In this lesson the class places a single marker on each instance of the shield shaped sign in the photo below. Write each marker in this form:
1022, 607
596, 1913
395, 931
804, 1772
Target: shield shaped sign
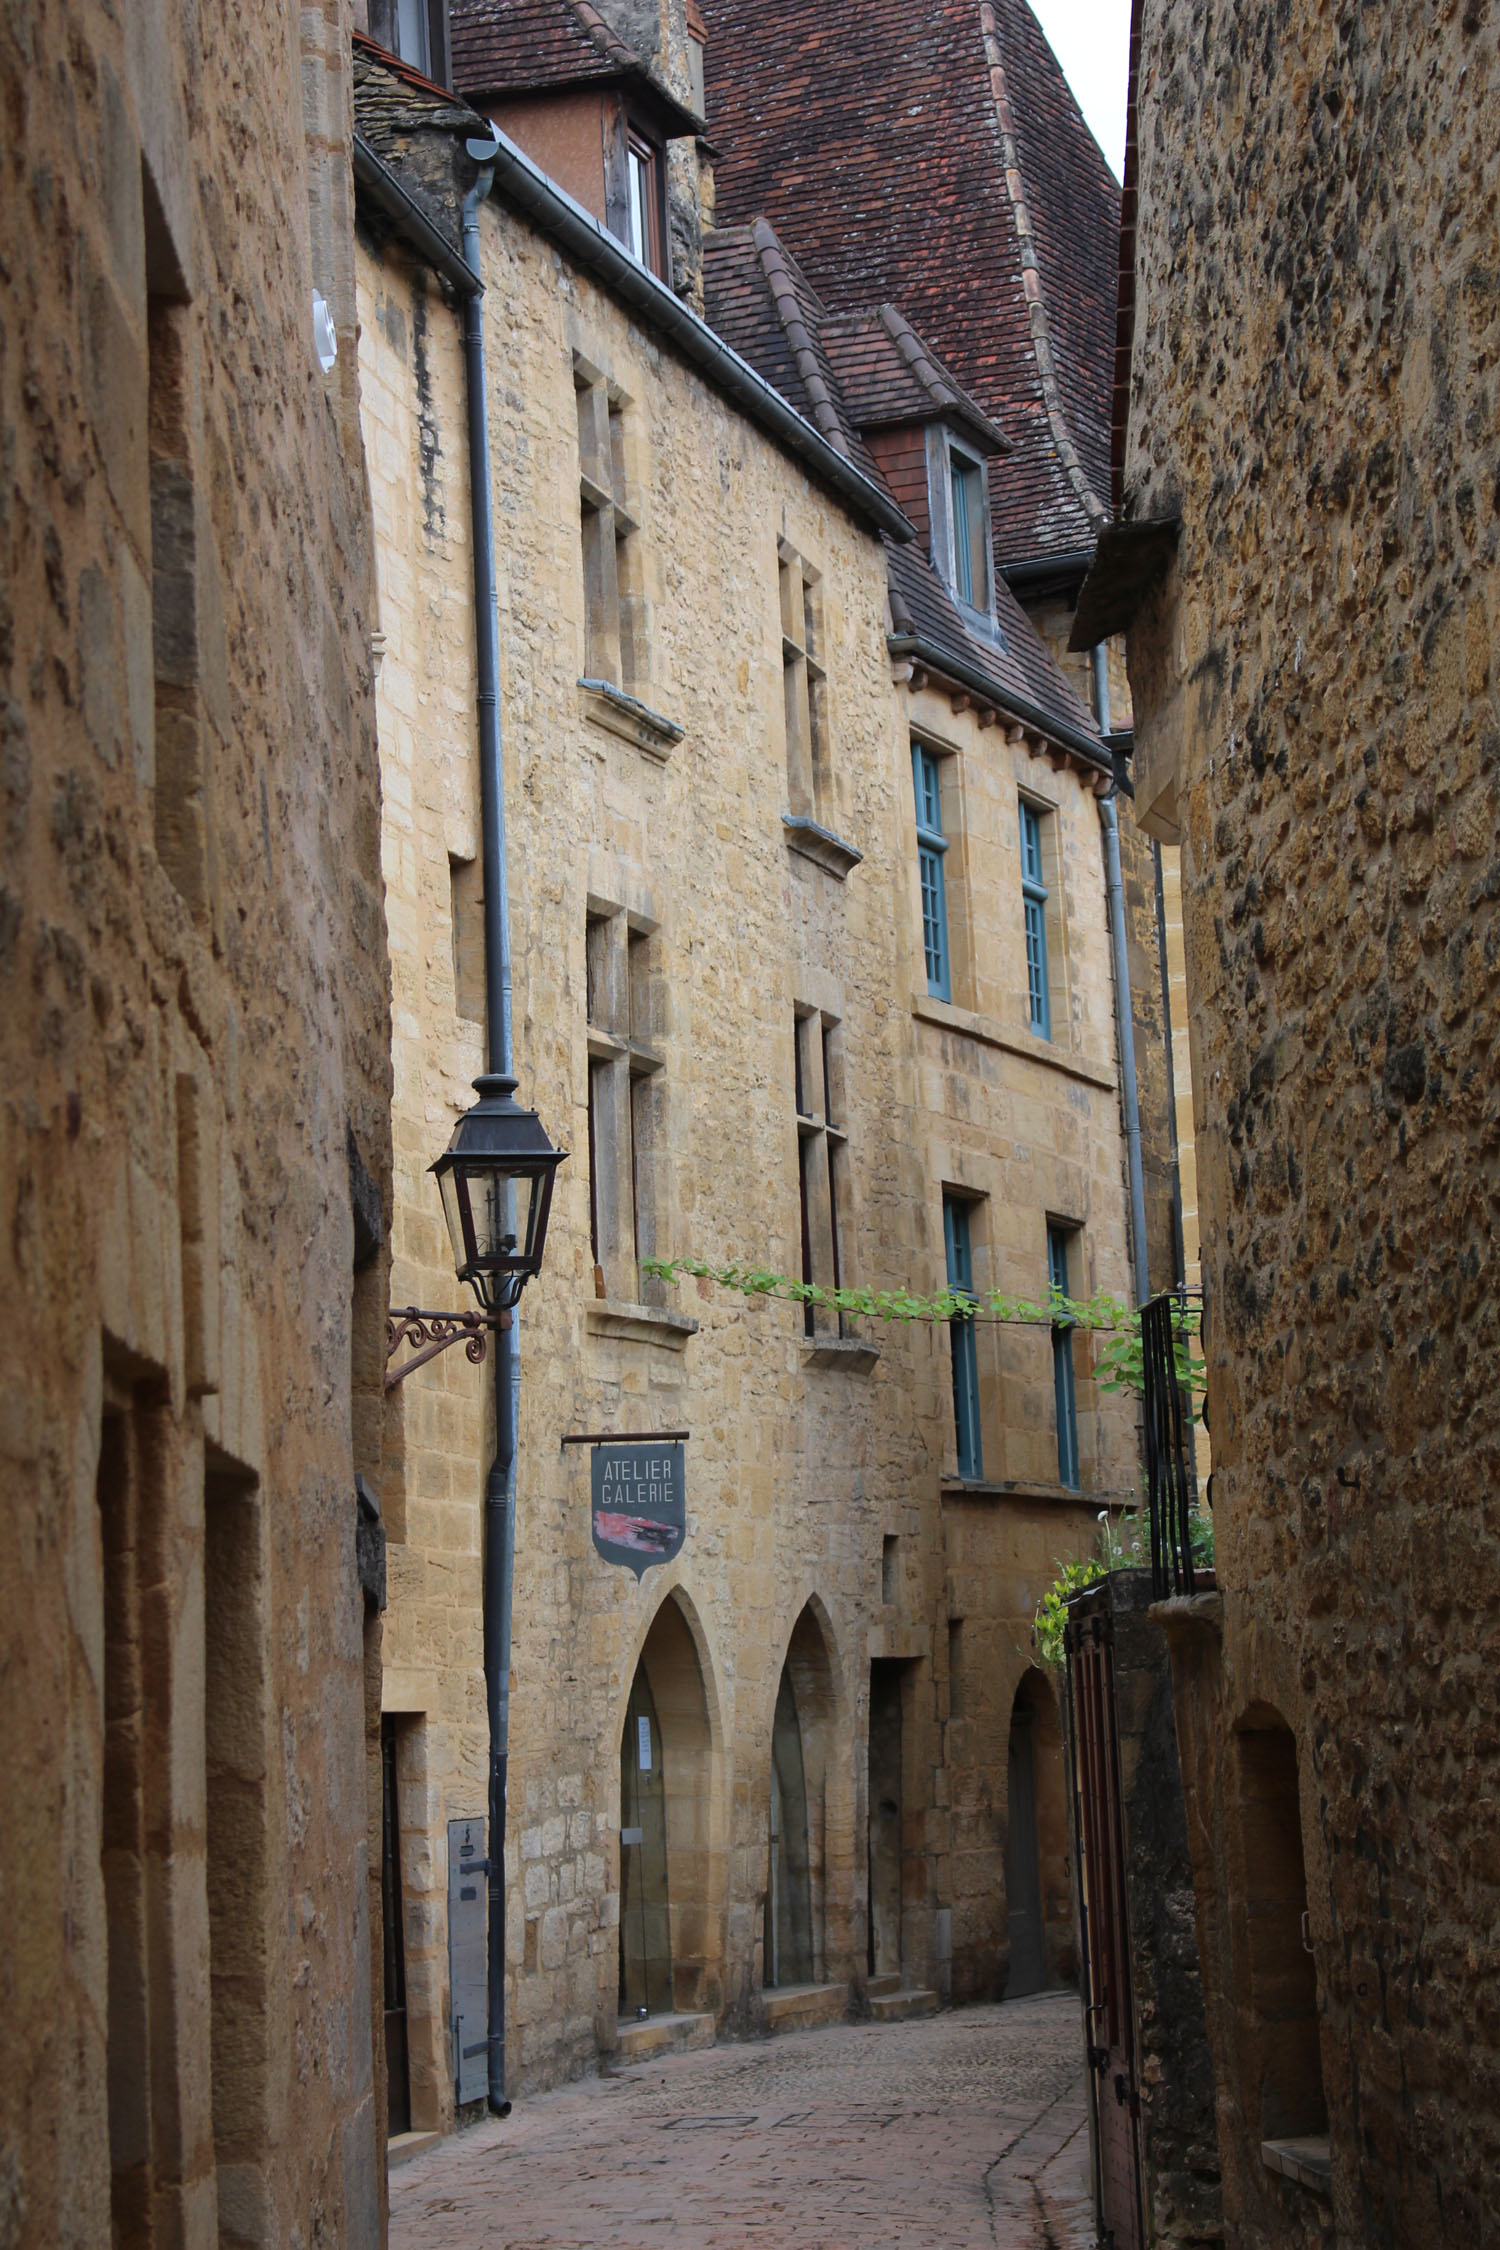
639, 1504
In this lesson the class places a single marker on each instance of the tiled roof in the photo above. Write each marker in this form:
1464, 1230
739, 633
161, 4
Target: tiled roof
888, 374
533, 46
523, 44
929, 152
760, 301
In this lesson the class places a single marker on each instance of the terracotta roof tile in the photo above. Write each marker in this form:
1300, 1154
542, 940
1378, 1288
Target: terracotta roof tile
761, 302
536, 46
888, 374
931, 155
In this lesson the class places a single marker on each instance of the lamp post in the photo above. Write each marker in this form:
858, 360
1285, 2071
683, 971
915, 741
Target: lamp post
496, 1177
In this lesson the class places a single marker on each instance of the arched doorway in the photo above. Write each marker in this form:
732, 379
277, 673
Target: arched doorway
788, 1933
1036, 1843
670, 1948
810, 1874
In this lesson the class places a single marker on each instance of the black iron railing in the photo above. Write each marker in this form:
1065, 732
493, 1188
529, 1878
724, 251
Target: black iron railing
1168, 1330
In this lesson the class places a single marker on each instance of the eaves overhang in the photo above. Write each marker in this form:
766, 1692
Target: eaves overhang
944, 664
375, 179
555, 214
1130, 561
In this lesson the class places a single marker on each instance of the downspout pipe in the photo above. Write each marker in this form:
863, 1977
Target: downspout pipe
500, 1484
1130, 1100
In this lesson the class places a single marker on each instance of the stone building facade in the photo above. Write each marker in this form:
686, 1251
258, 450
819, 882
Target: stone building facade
194, 1137
1310, 481
724, 1011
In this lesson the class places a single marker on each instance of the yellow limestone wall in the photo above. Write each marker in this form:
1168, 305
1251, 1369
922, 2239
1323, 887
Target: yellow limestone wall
798, 1471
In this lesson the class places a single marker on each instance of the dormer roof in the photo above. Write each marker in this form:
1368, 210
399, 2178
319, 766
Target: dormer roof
548, 46
890, 375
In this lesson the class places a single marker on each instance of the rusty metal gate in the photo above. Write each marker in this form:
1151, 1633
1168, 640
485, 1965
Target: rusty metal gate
1105, 1925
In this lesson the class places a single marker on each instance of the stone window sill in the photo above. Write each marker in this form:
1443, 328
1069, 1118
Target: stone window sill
852, 1353
639, 1324
625, 715
1048, 1053
1305, 2160
979, 1488
820, 845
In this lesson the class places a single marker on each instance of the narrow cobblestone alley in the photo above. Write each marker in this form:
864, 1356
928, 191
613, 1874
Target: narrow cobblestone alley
964, 2131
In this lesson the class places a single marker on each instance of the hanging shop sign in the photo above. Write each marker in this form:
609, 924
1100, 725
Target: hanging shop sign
639, 1502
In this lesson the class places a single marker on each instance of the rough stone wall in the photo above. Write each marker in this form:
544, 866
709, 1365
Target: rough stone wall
1178, 2144
802, 1462
1318, 318
193, 1039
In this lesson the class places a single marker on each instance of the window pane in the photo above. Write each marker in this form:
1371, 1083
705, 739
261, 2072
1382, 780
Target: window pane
411, 33
958, 1245
640, 188
1036, 967
962, 575
934, 921
1031, 845
1062, 1362
931, 845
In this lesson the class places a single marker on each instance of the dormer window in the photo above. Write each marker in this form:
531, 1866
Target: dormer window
961, 524
970, 524
643, 177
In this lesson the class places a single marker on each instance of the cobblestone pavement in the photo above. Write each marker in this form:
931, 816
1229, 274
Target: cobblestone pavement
963, 2131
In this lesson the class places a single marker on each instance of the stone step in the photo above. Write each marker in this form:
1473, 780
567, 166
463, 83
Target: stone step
895, 2007
401, 2147
642, 2037
877, 1986
798, 2007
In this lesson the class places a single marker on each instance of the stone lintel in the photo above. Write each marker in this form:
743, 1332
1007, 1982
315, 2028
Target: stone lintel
633, 721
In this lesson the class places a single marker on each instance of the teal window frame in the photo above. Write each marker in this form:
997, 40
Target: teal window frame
1062, 1362
932, 846
1034, 912
959, 1250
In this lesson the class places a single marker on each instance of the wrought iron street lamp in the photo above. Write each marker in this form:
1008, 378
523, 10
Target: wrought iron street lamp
496, 1177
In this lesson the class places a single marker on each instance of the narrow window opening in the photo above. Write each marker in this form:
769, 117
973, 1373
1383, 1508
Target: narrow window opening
1034, 909
890, 1568
1064, 1394
236, 1707
970, 531
122, 1845
932, 846
466, 899
958, 1244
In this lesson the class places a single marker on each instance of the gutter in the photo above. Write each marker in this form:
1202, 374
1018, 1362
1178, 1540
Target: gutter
1028, 714
500, 1484
412, 222
579, 233
1129, 1093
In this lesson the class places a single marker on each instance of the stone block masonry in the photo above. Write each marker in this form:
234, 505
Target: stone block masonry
681, 969
194, 1138
1317, 323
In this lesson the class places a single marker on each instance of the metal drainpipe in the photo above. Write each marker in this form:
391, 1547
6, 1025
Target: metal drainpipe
1115, 888
500, 1485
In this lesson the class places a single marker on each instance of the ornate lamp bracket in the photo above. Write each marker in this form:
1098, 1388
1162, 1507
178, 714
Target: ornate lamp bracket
407, 1324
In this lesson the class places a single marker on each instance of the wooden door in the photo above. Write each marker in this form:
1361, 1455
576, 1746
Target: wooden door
645, 1933
1023, 1883
1106, 1932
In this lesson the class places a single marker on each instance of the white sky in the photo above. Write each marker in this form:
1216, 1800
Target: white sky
1091, 40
